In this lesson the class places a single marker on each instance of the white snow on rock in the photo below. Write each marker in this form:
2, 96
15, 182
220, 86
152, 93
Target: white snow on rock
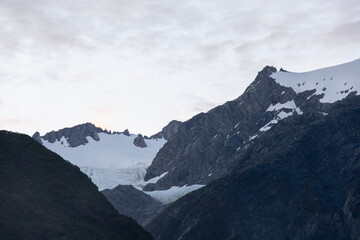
112, 160
334, 82
172, 194
156, 179
281, 114
253, 137
268, 125
289, 105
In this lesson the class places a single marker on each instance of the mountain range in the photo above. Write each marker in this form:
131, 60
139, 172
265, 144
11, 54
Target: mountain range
278, 162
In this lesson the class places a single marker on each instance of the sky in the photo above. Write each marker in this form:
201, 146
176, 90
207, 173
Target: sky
139, 64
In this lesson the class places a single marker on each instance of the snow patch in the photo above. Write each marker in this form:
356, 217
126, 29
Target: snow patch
290, 105
172, 194
268, 125
282, 114
253, 137
156, 179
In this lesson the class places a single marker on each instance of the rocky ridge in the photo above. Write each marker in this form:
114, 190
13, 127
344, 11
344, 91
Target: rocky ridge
299, 180
202, 148
75, 136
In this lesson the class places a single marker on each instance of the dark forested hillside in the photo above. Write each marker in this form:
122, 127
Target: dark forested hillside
43, 196
300, 180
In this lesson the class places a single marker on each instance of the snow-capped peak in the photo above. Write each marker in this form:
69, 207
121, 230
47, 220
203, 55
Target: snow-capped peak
335, 82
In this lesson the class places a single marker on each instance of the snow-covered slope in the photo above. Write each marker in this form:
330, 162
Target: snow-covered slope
112, 160
334, 82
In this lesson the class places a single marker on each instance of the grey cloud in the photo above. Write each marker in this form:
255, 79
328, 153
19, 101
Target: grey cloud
190, 44
199, 104
347, 33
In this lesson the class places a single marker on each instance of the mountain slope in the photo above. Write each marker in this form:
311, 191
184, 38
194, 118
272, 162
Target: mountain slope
134, 203
300, 180
115, 159
204, 146
44, 197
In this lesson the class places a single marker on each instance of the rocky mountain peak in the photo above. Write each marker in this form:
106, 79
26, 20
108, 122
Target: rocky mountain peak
267, 71
168, 131
139, 141
203, 147
195, 154
126, 132
37, 137
76, 135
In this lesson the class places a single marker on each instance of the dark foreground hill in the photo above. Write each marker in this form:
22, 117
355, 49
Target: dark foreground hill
300, 180
43, 196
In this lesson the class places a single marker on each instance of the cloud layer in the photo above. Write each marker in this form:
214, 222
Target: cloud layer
140, 64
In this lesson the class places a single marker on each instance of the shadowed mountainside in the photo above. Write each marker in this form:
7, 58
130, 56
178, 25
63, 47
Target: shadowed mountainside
300, 180
43, 196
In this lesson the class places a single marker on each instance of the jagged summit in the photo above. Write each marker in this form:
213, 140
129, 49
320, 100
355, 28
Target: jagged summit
74, 136
267, 70
139, 141
168, 131
77, 135
37, 137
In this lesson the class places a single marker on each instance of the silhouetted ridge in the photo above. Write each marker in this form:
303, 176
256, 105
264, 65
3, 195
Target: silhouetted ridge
43, 196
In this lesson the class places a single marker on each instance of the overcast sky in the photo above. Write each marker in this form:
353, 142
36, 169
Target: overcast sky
139, 64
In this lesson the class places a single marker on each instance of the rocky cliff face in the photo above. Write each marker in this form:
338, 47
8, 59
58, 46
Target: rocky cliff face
202, 148
76, 135
131, 202
299, 180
